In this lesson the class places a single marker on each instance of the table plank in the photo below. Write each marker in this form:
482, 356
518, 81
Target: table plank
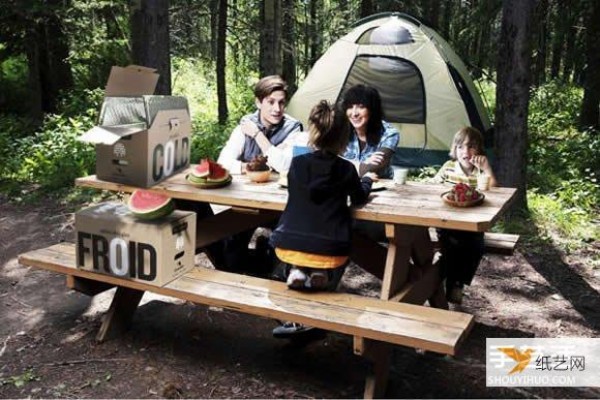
415, 203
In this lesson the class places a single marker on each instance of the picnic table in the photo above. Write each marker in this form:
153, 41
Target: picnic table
410, 277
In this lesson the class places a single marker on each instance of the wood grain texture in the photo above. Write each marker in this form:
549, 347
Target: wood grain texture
415, 203
402, 324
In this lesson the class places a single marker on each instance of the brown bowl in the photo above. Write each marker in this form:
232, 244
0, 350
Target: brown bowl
468, 203
259, 176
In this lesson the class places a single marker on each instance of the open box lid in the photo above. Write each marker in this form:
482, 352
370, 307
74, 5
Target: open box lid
133, 80
130, 81
111, 134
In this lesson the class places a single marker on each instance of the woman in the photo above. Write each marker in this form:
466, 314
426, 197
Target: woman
372, 140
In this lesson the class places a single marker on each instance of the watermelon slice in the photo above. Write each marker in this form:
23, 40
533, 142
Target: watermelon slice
217, 173
202, 170
149, 205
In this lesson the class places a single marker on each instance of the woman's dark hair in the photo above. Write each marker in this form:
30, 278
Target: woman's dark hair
328, 128
369, 97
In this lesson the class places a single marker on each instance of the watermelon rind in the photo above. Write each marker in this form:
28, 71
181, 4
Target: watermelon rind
224, 176
160, 213
202, 170
205, 184
194, 179
160, 206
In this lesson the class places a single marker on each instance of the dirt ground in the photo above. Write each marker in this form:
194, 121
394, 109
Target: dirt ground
181, 350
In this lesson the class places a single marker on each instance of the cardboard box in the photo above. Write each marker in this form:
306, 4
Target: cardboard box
112, 241
140, 139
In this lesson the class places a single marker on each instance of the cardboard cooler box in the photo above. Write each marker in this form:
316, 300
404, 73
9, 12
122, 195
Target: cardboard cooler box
140, 139
112, 241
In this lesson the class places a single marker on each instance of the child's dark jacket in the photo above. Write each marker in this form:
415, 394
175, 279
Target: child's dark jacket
317, 218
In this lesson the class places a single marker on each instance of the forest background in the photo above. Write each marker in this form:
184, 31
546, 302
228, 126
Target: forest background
536, 63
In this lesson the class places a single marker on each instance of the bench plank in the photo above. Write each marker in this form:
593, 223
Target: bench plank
500, 243
403, 324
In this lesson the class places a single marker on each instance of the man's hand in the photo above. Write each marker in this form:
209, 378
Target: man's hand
249, 128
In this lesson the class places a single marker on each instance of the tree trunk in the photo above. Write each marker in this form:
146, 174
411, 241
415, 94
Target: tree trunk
434, 14
591, 95
221, 64
512, 98
447, 15
541, 18
55, 70
315, 34
570, 52
214, 18
269, 39
366, 8
35, 86
150, 39
558, 39
289, 45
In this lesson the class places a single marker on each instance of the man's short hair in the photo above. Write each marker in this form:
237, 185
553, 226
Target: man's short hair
268, 85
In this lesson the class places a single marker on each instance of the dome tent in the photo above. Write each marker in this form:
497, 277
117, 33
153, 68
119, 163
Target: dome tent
426, 90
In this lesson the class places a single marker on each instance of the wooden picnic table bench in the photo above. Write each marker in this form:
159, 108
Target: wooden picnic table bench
409, 276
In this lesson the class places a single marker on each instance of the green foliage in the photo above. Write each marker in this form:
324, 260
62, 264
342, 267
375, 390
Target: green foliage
563, 161
20, 380
104, 44
487, 90
52, 157
195, 79
13, 83
571, 227
563, 166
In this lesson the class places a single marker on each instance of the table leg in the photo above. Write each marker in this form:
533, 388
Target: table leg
118, 317
380, 355
87, 286
406, 243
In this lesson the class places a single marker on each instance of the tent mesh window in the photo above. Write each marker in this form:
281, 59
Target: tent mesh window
399, 83
386, 34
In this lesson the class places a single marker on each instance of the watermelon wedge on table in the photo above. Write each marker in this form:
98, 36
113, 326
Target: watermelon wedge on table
209, 174
149, 205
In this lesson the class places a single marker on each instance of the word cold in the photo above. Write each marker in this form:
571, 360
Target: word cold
169, 158
117, 256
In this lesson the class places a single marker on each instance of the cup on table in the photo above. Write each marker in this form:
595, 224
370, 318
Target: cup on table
483, 182
400, 175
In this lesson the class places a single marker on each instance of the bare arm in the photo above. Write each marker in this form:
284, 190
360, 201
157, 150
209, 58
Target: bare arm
377, 162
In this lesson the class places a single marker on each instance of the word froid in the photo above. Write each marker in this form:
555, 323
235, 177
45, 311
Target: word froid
117, 256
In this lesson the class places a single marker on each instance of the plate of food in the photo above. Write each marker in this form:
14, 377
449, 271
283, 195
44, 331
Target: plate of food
257, 170
209, 175
463, 195
282, 181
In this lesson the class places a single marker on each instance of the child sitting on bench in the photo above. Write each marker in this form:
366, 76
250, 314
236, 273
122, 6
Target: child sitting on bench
461, 250
313, 236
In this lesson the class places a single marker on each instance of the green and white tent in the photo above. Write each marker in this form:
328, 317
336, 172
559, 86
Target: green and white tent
426, 90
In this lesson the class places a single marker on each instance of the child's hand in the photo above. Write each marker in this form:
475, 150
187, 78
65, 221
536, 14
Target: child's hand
480, 162
372, 175
375, 158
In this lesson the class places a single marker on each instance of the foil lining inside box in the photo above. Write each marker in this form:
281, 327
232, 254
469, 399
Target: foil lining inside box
139, 109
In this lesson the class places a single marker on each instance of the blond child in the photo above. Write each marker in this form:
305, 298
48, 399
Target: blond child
462, 251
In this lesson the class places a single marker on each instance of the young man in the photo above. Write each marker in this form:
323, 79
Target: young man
268, 131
